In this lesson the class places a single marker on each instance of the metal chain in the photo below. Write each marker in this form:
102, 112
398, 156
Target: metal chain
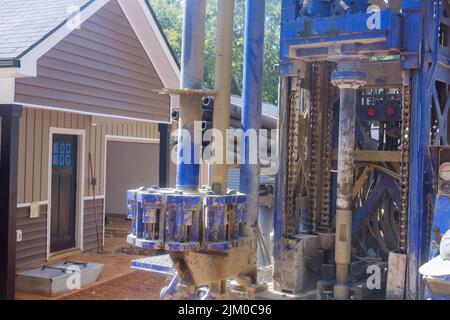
321, 126
319, 135
315, 142
404, 174
326, 198
293, 158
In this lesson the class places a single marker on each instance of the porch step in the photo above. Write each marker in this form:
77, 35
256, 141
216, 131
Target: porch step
117, 227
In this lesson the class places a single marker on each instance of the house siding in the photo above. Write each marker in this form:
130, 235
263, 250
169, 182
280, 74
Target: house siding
90, 230
32, 250
33, 247
100, 68
34, 141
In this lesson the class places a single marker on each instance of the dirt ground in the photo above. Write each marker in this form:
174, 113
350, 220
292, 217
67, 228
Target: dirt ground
138, 285
117, 280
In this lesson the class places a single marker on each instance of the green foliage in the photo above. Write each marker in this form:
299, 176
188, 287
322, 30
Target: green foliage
170, 15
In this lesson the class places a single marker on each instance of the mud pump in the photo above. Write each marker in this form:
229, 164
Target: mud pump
361, 195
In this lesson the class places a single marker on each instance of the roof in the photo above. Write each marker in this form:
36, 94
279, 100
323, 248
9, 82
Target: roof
29, 29
24, 23
268, 109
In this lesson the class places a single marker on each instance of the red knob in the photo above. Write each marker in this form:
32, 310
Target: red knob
371, 112
390, 111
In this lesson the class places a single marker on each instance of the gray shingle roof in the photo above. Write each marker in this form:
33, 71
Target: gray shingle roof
25, 22
268, 109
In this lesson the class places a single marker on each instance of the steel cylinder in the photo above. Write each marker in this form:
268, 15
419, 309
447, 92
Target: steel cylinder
347, 116
348, 77
192, 69
222, 104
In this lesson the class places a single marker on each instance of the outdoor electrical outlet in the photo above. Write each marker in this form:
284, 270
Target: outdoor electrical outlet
18, 235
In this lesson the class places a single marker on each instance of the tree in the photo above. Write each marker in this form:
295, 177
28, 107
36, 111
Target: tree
170, 16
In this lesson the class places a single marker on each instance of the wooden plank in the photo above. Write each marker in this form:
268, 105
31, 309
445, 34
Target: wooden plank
29, 156
53, 119
75, 120
373, 156
37, 156
22, 158
155, 131
60, 121
45, 152
360, 182
395, 286
67, 120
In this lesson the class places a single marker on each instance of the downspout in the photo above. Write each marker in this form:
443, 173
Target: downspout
252, 105
192, 68
222, 104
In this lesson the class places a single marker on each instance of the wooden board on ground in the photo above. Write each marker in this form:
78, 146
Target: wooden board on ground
396, 276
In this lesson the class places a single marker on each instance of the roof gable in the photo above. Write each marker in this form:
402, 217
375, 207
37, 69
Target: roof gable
24, 23
100, 69
29, 29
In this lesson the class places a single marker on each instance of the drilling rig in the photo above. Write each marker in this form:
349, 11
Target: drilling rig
362, 153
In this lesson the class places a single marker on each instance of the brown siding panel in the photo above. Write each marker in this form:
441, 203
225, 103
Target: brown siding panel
33, 247
90, 235
101, 68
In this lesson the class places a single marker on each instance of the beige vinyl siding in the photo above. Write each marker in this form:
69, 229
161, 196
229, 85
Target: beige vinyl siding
101, 68
34, 143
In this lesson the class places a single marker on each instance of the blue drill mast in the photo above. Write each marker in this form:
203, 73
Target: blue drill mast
363, 156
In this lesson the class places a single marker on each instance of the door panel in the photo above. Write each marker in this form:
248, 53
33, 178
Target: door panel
64, 192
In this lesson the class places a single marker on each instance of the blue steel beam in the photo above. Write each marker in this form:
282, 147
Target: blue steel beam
420, 162
252, 102
411, 25
305, 37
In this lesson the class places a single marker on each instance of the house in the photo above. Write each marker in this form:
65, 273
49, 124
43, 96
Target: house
85, 73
